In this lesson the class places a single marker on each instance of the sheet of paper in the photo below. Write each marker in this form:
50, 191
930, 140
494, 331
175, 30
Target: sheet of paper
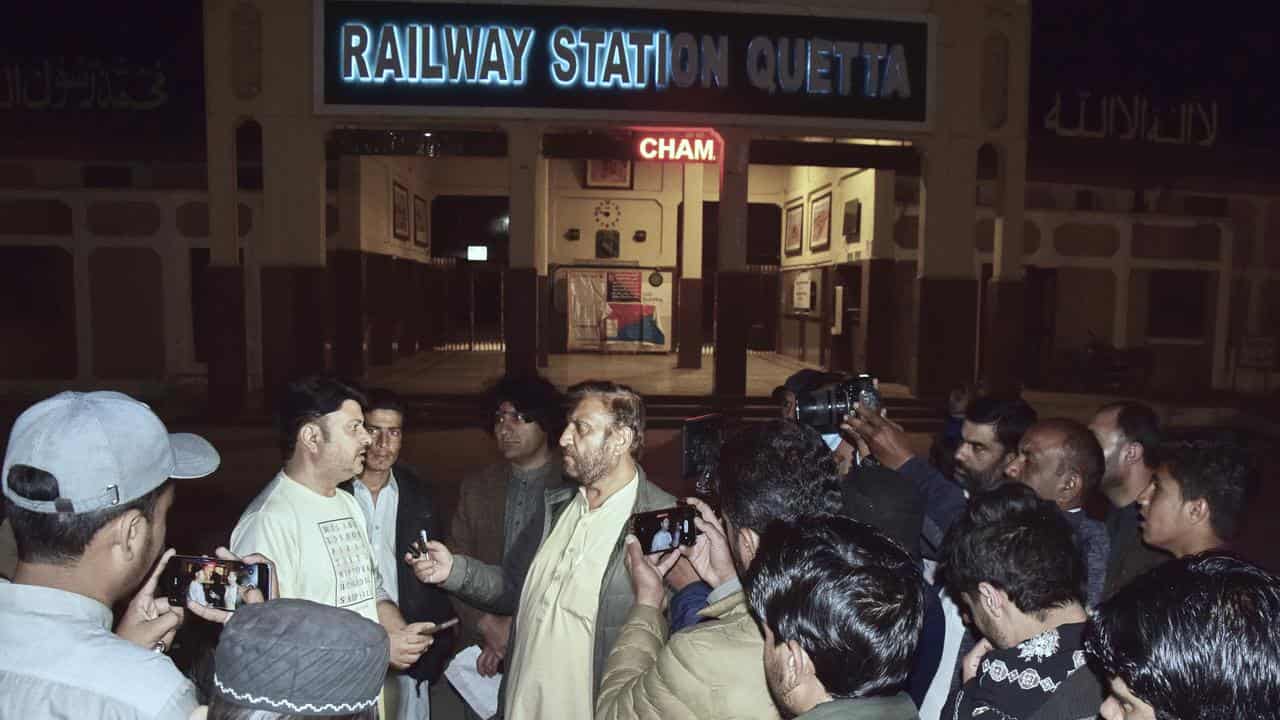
481, 693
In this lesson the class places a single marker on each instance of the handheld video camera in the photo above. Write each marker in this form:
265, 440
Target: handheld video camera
826, 406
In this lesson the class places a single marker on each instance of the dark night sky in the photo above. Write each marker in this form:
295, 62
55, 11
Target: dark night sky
1164, 50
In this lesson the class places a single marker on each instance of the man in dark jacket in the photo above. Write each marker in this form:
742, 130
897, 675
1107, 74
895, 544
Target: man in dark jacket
397, 508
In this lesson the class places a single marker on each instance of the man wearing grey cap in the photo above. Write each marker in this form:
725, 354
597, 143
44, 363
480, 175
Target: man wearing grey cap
290, 658
86, 487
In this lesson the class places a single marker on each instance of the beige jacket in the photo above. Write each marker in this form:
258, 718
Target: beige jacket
714, 669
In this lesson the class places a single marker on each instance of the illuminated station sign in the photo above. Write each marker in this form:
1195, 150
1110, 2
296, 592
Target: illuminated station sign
438, 56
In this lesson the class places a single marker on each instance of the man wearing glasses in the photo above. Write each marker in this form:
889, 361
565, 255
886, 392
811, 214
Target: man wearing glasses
398, 508
525, 416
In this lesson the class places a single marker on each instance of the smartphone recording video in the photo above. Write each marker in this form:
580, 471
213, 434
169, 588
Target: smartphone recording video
663, 530
214, 583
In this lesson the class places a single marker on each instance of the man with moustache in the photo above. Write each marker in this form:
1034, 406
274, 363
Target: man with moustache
576, 594
992, 430
397, 507
315, 533
496, 504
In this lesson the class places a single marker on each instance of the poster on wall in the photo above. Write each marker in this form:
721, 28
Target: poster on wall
802, 294
399, 211
420, 222
793, 235
619, 310
820, 223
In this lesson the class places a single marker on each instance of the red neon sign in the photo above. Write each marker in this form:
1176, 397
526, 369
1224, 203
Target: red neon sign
677, 147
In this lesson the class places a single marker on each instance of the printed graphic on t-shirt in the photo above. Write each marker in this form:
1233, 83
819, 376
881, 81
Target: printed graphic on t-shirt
352, 566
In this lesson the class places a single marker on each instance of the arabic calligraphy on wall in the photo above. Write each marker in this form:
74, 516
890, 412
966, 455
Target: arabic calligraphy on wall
1134, 117
81, 83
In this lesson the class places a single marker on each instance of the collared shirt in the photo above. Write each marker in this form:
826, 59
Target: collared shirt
59, 658
380, 522
551, 668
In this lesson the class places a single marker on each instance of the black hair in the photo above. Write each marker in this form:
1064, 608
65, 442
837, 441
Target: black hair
58, 538
307, 399
1011, 416
1015, 541
776, 470
532, 395
1219, 470
1081, 452
624, 404
1194, 638
1139, 424
850, 596
384, 399
220, 709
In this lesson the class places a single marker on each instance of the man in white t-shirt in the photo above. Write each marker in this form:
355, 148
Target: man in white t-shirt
316, 531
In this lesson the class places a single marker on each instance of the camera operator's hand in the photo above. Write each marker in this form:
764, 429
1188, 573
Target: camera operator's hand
150, 621
885, 439
709, 555
681, 575
646, 573
251, 595
432, 566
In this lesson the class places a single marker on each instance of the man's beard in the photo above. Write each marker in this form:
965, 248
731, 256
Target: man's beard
985, 481
590, 468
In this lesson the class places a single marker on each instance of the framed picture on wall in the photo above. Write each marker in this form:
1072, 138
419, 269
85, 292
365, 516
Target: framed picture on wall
852, 221
820, 222
399, 211
793, 230
615, 174
419, 221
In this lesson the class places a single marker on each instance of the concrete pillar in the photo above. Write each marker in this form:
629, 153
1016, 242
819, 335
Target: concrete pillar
873, 349
542, 253
1257, 278
690, 290
1004, 323
733, 283
945, 314
1221, 378
224, 279
292, 250
1123, 269
348, 274
520, 291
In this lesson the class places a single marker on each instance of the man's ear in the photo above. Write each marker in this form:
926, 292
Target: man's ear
1069, 488
1197, 510
311, 437
992, 598
1133, 453
748, 544
129, 533
799, 665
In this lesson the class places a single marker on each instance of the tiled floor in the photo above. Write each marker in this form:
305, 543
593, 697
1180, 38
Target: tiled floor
649, 374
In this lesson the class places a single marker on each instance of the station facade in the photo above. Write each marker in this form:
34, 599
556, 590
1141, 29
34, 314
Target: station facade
878, 149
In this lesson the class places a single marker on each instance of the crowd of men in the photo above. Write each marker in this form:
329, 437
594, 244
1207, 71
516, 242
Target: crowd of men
835, 572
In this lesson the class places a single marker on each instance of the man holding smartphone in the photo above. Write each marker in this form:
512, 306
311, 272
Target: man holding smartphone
87, 487
779, 470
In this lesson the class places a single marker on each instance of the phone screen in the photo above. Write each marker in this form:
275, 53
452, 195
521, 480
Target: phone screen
663, 530
211, 582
